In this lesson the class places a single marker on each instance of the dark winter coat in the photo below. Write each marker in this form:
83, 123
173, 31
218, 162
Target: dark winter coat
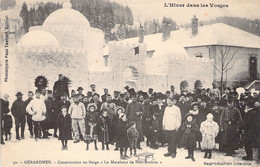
64, 125
59, 104
184, 108
8, 122
18, 109
103, 129
131, 112
91, 119
123, 104
132, 135
249, 126
51, 114
188, 139
59, 88
4, 108
122, 141
230, 122
147, 119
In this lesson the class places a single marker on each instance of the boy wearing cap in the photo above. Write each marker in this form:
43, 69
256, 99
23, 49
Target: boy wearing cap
19, 112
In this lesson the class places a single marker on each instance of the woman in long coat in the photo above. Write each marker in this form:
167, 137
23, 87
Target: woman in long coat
123, 142
64, 125
103, 129
209, 130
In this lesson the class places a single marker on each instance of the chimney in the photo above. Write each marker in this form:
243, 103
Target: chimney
141, 34
166, 31
194, 26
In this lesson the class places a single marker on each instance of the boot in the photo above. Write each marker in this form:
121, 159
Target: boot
107, 148
126, 153
131, 153
192, 156
206, 154
17, 134
210, 154
189, 155
87, 146
103, 147
95, 142
135, 152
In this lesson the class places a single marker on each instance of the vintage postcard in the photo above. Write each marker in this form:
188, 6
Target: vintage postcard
129, 83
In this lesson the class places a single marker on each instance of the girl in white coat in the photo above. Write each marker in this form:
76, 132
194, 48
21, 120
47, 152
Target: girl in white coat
209, 130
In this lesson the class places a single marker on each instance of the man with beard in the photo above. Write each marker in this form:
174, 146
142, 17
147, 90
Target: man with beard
184, 106
51, 116
95, 99
28, 116
116, 99
122, 102
159, 108
127, 97
60, 87
19, 112
230, 121
134, 112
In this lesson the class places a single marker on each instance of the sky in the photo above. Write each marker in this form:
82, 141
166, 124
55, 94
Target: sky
149, 9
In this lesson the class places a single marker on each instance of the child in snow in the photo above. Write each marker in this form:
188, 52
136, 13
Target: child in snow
122, 141
104, 128
91, 120
132, 135
119, 111
189, 129
209, 130
64, 125
155, 128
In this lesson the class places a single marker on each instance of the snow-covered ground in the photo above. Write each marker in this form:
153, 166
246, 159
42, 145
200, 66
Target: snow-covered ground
19, 153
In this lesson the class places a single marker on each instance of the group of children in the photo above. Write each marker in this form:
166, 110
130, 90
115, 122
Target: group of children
97, 129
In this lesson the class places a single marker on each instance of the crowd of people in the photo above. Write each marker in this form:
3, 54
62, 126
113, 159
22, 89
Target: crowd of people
206, 119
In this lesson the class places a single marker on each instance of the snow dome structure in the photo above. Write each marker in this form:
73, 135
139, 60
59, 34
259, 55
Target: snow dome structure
65, 43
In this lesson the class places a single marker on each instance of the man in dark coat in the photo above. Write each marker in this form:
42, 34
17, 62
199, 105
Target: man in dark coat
95, 99
230, 122
116, 98
51, 116
28, 116
19, 112
184, 106
62, 102
122, 102
147, 121
249, 130
60, 87
104, 96
4, 104
134, 112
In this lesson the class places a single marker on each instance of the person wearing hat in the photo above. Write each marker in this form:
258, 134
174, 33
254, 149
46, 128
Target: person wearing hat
19, 112
37, 109
95, 99
122, 102
189, 129
183, 105
110, 107
116, 99
93, 88
77, 112
63, 101
209, 130
159, 108
150, 92
51, 115
104, 96
104, 129
155, 129
134, 112
64, 125
128, 97
171, 123
250, 130
80, 93
132, 135
60, 87
230, 122
91, 121
28, 116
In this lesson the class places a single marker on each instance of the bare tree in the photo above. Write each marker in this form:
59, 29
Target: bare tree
225, 60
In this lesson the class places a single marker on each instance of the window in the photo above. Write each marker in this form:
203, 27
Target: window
136, 50
199, 55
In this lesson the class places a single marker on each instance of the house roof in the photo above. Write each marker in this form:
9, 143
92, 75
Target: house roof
215, 34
